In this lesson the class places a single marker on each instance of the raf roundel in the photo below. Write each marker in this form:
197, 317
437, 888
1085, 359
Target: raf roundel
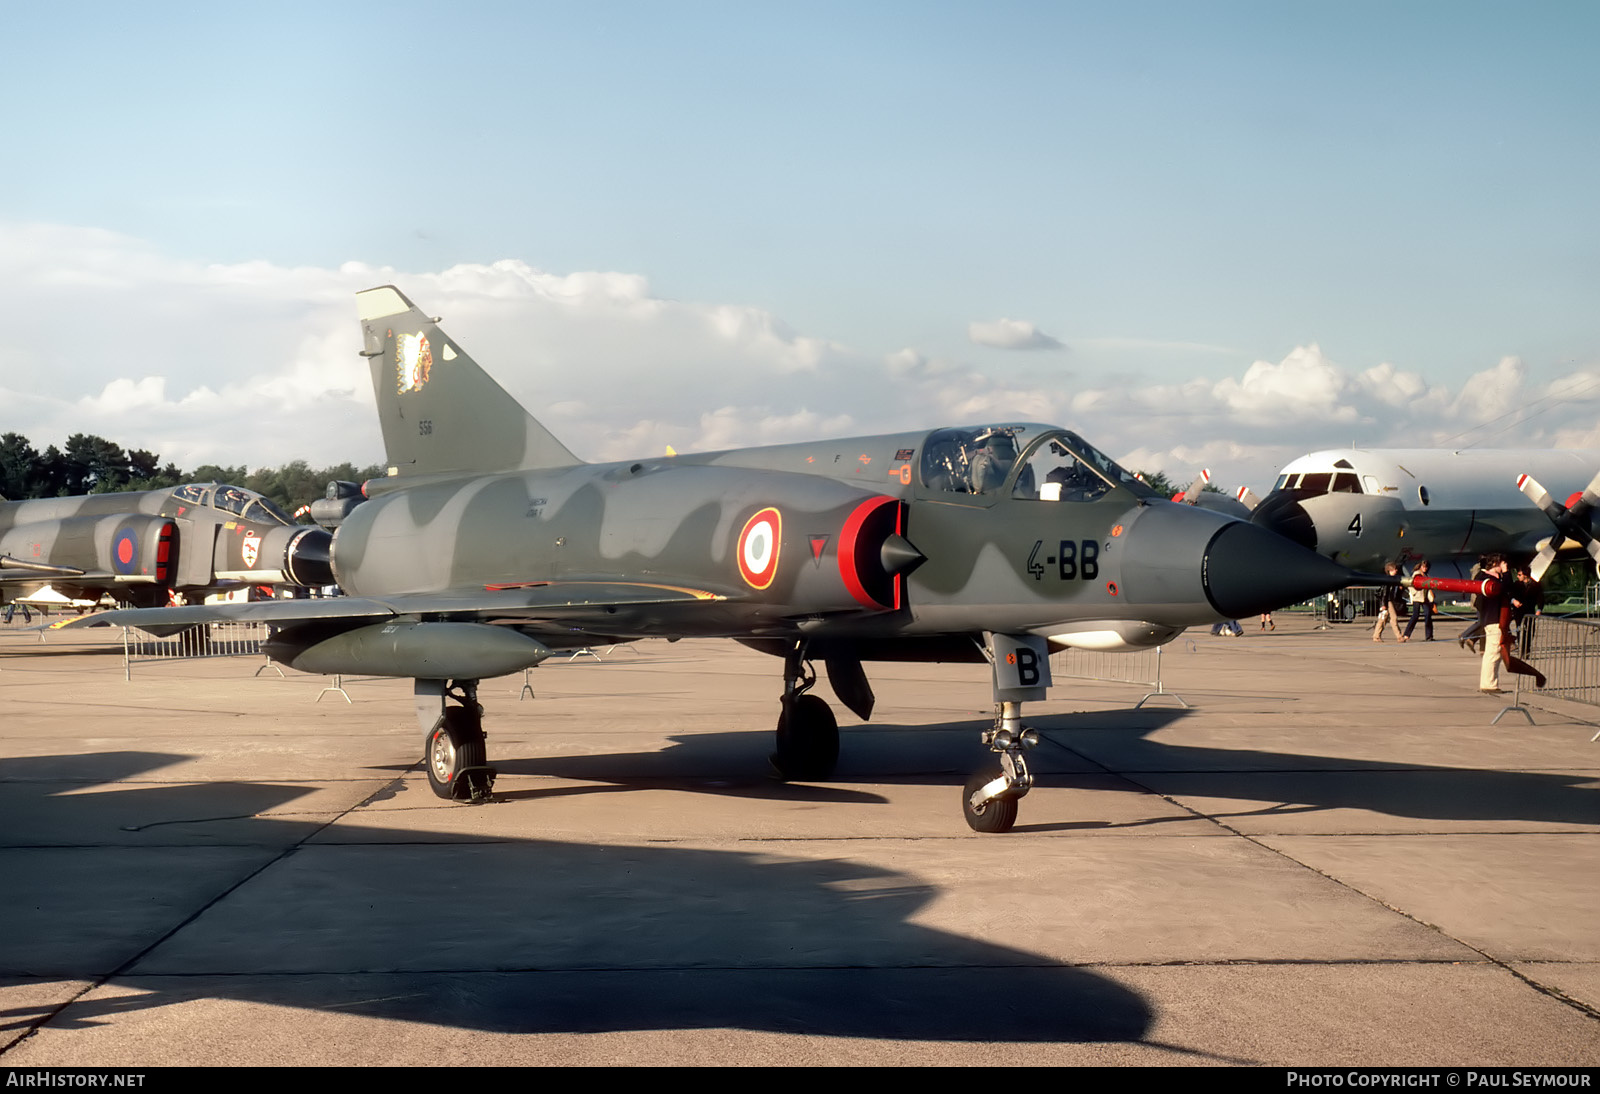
758, 548
125, 552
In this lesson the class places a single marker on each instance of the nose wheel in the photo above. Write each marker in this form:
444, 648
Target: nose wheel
989, 800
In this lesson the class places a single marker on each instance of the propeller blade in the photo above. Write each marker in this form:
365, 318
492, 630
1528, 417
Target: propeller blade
1586, 504
1247, 498
1573, 524
1540, 497
1542, 561
1192, 495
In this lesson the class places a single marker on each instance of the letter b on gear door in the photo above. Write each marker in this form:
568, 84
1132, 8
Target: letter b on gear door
1021, 667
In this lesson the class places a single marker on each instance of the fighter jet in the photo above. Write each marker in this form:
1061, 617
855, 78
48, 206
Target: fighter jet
489, 546
1365, 507
143, 547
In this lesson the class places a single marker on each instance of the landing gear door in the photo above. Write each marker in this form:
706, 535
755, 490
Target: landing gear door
1021, 667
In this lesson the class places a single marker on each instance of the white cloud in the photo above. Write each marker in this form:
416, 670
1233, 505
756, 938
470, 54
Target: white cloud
910, 364
1303, 386
732, 427
1011, 334
1492, 392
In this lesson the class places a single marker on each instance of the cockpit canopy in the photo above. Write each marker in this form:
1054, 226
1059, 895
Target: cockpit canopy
1036, 463
245, 504
1341, 479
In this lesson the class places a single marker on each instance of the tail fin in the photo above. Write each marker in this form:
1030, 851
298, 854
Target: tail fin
439, 411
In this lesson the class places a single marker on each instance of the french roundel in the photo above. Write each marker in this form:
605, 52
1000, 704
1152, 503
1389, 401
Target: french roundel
758, 548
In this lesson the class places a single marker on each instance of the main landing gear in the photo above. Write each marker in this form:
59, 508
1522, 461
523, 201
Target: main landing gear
454, 750
989, 800
808, 733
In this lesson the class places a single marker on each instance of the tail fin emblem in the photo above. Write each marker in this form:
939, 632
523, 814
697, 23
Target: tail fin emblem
414, 361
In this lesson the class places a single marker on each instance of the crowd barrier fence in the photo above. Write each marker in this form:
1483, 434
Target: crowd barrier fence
1567, 651
195, 643
1142, 668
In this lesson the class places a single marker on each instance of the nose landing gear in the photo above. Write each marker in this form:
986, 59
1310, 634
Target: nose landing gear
1021, 667
989, 800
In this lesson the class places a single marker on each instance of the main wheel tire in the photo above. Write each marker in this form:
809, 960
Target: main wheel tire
456, 746
808, 740
997, 816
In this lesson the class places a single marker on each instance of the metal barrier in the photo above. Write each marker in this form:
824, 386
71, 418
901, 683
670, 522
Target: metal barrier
1142, 668
1348, 605
193, 643
1364, 602
1567, 651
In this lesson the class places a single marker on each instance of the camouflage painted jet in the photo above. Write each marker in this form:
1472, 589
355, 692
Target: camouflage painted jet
145, 546
490, 545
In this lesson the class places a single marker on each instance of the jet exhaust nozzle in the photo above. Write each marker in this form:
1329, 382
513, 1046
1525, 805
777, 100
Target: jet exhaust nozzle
309, 559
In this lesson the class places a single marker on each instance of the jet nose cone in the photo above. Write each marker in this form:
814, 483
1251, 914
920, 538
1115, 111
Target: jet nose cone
1282, 513
1249, 570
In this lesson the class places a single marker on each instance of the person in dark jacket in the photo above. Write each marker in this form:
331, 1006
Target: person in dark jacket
1527, 597
1392, 604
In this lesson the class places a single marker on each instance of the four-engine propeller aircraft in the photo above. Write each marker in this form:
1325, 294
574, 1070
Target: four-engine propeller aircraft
1365, 507
141, 547
490, 545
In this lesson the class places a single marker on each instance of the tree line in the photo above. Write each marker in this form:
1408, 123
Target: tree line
93, 465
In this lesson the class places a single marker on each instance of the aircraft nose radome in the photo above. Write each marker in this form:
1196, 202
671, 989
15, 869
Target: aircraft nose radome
1249, 570
1282, 513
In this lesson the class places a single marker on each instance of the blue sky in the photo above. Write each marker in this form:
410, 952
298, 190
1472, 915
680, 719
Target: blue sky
1170, 194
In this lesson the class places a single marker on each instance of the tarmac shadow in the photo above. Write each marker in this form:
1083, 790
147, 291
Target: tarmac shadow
528, 936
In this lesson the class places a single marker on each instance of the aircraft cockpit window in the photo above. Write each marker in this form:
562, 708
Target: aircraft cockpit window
230, 499
266, 511
1107, 467
1283, 482
1063, 467
1346, 482
970, 461
1316, 483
